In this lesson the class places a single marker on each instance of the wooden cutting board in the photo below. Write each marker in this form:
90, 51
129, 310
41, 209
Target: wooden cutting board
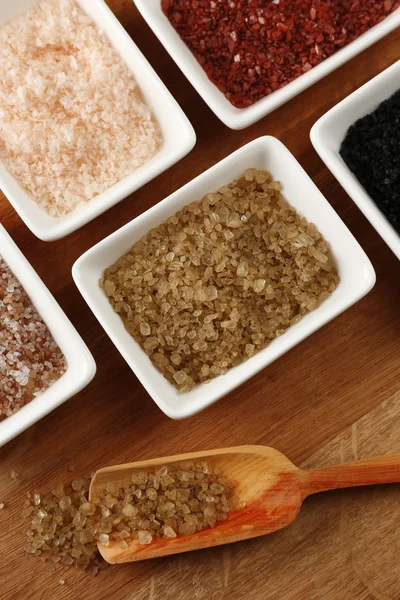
345, 545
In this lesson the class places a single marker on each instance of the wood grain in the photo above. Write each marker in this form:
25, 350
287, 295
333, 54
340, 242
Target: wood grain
270, 492
345, 544
267, 484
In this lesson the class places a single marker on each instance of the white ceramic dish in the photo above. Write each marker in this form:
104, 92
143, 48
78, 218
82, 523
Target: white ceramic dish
356, 272
178, 134
329, 132
81, 367
239, 118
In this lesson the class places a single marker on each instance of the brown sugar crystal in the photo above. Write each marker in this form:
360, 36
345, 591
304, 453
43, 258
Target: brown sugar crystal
59, 524
30, 360
175, 500
218, 281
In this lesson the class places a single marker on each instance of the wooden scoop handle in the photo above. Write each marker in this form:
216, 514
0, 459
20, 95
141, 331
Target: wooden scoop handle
372, 471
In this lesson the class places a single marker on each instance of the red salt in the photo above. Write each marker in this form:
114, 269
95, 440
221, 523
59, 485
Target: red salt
250, 48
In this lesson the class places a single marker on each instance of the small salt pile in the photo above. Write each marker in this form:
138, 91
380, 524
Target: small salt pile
59, 525
72, 119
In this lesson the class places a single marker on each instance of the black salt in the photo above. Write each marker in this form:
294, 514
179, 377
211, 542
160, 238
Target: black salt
371, 150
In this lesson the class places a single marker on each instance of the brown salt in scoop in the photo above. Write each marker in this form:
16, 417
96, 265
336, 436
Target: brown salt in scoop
169, 501
269, 494
172, 500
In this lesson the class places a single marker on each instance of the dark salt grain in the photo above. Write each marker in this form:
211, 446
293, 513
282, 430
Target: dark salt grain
250, 48
371, 150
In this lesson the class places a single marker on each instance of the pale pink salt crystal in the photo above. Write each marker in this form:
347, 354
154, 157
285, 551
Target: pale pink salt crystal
72, 122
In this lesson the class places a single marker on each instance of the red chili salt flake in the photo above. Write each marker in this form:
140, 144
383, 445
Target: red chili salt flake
177, 17
275, 34
329, 29
231, 44
299, 34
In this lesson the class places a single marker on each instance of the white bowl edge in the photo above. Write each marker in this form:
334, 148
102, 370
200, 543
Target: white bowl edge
357, 277
81, 367
179, 136
328, 133
235, 118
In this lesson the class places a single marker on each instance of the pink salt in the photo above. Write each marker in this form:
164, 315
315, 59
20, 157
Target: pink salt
72, 119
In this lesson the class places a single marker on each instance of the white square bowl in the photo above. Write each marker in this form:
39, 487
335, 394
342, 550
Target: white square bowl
178, 134
81, 367
329, 132
357, 275
237, 118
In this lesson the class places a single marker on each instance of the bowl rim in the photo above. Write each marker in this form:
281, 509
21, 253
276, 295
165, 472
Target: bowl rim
86, 274
331, 157
81, 366
19, 198
231, 116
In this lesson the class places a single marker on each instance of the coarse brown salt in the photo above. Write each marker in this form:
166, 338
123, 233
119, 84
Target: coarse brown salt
175, 500
30, 360
72, 119
58, 529
145, 537
228, 289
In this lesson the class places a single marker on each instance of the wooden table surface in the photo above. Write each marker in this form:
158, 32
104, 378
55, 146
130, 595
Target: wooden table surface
343, 381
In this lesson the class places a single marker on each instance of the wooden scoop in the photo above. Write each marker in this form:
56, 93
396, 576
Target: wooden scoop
271, 487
